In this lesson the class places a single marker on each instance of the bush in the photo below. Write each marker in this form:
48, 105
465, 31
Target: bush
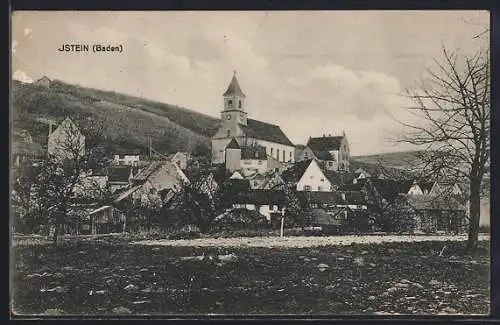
187, 232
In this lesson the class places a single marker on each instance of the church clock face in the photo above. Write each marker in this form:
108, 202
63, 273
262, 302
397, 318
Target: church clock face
228, 117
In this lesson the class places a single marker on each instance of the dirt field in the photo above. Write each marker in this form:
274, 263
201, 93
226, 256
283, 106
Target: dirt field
299, 242
109, 276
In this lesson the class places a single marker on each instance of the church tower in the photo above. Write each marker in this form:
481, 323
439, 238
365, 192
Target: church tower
234, 104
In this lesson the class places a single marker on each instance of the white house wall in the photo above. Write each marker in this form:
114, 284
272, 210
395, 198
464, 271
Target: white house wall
315, 179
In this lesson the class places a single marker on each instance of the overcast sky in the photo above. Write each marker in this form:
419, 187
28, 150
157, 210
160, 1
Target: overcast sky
311, 72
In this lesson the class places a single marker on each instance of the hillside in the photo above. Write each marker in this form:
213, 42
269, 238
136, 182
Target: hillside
110, 119
400, 160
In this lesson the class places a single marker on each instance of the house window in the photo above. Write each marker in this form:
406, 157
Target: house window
312, 177
260, 162
271, 151
307, 188
330, 163
320, 188
290, 155
322, 179
284, 155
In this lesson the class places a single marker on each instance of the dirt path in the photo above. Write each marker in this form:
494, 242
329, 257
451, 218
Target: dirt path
299, 241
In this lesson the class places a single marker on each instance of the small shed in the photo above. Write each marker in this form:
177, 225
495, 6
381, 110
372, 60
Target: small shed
106, 219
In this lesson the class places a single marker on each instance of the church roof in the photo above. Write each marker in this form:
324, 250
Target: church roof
234, 88
233, 144
265, 131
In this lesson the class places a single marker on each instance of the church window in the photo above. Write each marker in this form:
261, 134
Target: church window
290, 155
239, 104
284, 155
278, 154
230, 103
271, 151
228, 133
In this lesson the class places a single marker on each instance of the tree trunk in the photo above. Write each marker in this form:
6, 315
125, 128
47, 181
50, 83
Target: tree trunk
474, 212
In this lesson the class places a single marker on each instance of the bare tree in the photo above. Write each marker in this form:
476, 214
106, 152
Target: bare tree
454, 107
60, 173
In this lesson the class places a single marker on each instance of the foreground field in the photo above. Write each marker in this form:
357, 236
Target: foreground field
91, 277
300, 242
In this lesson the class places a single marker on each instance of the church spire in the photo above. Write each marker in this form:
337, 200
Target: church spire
234, 88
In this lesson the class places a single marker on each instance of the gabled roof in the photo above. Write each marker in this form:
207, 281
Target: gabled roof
322, 145
295, 172
265, 131
253, 152
426, 186
234, 88
233, 144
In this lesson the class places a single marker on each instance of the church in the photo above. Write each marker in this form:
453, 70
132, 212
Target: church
248, 132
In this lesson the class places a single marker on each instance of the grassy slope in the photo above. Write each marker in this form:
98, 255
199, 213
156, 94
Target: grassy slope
125, 119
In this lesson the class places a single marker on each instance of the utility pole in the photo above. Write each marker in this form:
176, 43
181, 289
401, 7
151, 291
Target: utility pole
150, 146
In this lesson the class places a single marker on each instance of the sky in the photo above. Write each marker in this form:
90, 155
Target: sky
311, 72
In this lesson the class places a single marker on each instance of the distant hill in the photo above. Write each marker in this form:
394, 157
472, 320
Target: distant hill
109, 118
400, 160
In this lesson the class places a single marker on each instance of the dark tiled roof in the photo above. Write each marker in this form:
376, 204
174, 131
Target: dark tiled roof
234, 88
426, 186
389, 189
233, 144
333, 198
253, 152
294, 173
119, 174
265, 131
322, 145
260, 197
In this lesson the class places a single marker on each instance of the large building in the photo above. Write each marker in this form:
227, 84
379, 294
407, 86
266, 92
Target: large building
332, 151
246, 131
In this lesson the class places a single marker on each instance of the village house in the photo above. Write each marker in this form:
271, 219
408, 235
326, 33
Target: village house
432, 214
66, 141
360, 173
332, 151
246, 131
250, 159
126, 160
120, 177
180, 158
93, 184
157, 180
43, 81
310, 176
445, 188
95, 220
